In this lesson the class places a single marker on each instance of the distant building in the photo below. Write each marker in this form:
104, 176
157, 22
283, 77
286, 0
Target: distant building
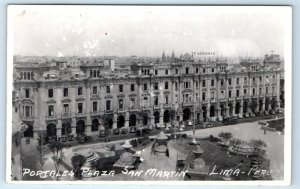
95, 95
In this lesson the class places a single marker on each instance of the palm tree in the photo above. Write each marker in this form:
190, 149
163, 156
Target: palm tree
77, 162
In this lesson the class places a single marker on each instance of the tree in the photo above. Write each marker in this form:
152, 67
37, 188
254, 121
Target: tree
237, 143
56, 148
257, 144
254, 105
225, 136
77, 163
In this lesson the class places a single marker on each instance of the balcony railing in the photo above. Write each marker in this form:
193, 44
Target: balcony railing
66, 115
51, 117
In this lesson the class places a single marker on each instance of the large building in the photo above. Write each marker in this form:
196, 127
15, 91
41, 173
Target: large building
60, 98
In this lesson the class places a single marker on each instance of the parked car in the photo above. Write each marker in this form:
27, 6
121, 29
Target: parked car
142, 131
52, 138
64, 138
207, 125
116, 131
189, 123
82, 138
132, 129
124, 131
230, 120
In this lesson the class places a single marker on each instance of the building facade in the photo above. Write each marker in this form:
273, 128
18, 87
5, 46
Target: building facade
59, 99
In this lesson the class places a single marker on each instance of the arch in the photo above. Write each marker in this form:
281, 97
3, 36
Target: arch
29, 131
260, 107
186, 114
66, 128
245, 106
273, 104
80, 126
166, 116
132, 120
108, 123
212, 111
95, 125
204, 109
51, 129
120, 121
156, 116
145, 119
237, 108
223, 110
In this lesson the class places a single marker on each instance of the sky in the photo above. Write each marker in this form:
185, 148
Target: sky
147, 30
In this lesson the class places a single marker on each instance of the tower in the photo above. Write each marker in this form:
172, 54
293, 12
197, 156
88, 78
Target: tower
163, 58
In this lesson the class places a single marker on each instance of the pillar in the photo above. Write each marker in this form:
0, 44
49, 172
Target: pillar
58, 128
88, 125
161, 116
115, 121
73, 126
127, 119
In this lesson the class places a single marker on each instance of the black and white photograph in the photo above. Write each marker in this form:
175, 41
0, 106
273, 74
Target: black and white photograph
159, 94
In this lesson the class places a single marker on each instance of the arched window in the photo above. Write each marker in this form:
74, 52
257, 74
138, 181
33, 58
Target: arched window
79, 91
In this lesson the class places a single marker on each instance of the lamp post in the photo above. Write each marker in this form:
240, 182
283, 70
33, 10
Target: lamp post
194, 128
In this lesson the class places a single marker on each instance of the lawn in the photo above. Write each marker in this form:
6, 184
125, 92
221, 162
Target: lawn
277, 124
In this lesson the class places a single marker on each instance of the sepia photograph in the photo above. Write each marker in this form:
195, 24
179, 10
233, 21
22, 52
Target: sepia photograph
155, 94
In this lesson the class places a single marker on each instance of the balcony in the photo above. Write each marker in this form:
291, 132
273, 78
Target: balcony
121, 110
51, 117
66, 115
95, 113
167, 106
81, 114
145, 107
156, 107
231, 98
133, 108
25, 118
213, 100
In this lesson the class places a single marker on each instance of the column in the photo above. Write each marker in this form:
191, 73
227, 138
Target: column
151, 117
241, 107
127, 119
88, 125
233, 108
161, 116
73, 126
58, 128
115, 121
227, 109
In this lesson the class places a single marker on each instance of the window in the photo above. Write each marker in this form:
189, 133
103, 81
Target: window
166, 85
145, 87
229, 93
79, 108
50, 93
146, 101
273, 90
253, 91
212, 95
79, 91
156, 100
237, 81
186, 85
66, 92
95, 106
132, 87
167, 72
27, 93
245, 80
197, 70
212, 82
267, 90
156, 86
260, 90
176, 71
120, 103
203, 96
253, 80
212, 70
197, 84
108, 89
120, 88
245, 91
222, 82
132, 102
237, 93
167, 99
186, 70
108, 105
229, 81
222, 94
94, 90
203, 70
203, 83
260, 79
155, 72
27, 111
50, 110
66, 109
